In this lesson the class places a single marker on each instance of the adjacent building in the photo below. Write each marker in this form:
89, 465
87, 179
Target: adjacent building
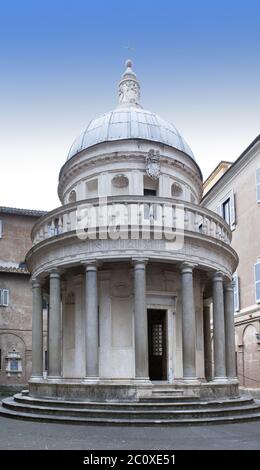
233, 191
15, 296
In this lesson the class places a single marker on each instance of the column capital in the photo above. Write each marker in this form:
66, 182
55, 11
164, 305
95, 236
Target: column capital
217, 276
36, 283
54, 273
139, 263
229, 285
187, 267
92, 265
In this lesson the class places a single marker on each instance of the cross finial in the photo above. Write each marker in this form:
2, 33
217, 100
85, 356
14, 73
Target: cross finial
128, 47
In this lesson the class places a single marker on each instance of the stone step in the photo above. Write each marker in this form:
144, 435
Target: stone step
170, 389
151, 415
168, 396
133, 422
142, 405
167, 393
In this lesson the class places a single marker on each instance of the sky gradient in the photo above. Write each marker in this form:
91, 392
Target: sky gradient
198, 63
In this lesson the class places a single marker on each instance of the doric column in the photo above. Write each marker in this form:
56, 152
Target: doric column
188, 323
207, 342
219, 328
229, 330
37, 330
91, 311
54, 362
140, 320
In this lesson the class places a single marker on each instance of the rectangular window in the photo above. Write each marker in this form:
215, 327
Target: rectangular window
14, 364
227, 209
236, 292
45, 360
150, 192
1, 228
4, 297
257, 282
258, 184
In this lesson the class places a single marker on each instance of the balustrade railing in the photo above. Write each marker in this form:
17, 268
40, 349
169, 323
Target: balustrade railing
131, 210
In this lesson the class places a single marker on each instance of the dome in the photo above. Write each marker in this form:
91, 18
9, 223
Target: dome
129, 121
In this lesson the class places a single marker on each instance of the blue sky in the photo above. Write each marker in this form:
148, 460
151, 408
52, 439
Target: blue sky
197, 62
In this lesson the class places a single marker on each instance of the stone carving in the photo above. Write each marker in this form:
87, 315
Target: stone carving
120, 181
153, 166
129, 92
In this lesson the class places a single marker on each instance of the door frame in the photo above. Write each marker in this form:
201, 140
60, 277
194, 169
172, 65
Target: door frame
165, 365
166, 301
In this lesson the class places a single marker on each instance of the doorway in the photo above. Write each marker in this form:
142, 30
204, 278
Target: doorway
157, 344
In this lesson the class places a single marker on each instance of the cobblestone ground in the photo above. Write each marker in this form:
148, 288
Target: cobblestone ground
16, 434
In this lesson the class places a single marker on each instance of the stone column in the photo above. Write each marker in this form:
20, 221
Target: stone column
91, 310
188, 323
219, 328
54, 356
37, 331
207, 342
229, 330
140, 320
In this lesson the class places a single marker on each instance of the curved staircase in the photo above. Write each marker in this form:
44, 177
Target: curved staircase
158, 410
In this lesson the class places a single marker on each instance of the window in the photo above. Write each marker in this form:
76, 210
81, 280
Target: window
236, 292
45, 360
14, 364
258, 184
149, 192
227, 209
4, 297
257, 282
1, 228
150, 186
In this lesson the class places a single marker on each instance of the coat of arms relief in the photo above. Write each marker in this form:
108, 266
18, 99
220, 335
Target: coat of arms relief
153, 166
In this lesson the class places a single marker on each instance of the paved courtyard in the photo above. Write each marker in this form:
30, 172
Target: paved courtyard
16, 434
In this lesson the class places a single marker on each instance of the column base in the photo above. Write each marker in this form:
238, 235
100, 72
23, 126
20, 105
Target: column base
233, 380
222, 380
191, 380
91, 379
142, 381
35, 378
54, 377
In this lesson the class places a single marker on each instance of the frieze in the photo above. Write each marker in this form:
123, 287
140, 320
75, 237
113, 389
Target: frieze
77, 168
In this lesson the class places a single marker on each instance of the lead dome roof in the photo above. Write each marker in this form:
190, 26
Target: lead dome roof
129, 121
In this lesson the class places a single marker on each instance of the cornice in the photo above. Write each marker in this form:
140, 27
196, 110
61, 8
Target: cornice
197, 241
247, 156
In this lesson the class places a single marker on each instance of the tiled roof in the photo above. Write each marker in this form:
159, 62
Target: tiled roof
15, 270
17, 211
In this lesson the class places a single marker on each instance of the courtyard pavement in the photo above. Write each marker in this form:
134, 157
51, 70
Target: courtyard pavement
16, 434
